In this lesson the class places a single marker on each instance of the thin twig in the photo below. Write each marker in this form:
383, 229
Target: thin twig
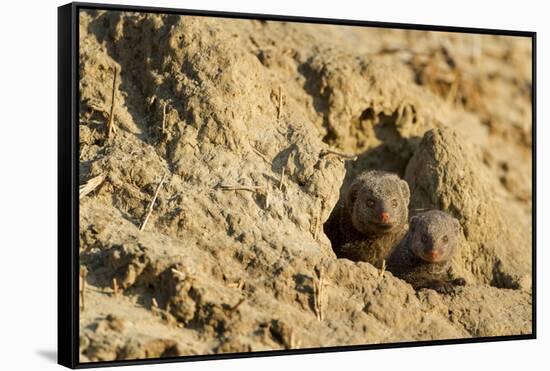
318, 291
152, 203
236, 285
83, 274
264, 157
178, 273
155, 306
91, 184
293, 342
110, 124
329, 151
184, 275
163, 127
115, 287
282, 179
382, 271
317, 223
240, 188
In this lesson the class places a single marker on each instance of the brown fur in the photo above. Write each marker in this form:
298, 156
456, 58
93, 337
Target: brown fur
364, 235
433, 232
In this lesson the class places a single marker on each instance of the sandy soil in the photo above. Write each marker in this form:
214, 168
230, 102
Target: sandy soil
205, 103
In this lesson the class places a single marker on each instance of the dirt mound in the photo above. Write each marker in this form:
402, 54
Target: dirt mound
241, 124
446, 174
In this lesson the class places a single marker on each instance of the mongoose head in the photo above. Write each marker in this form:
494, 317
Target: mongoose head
378, 202
433, 236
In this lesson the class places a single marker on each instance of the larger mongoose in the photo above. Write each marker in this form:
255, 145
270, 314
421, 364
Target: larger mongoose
423, 258
374, 217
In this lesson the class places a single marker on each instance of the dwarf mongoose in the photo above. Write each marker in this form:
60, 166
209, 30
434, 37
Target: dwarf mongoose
423, 258
374, 216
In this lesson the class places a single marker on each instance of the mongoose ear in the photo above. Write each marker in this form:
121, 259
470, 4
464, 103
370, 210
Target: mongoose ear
405, 190
351, 196
412, 223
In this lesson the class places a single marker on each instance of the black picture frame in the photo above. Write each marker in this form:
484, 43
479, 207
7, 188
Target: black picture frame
68, 200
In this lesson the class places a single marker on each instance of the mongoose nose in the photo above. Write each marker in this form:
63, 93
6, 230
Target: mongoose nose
433, 254
384, 217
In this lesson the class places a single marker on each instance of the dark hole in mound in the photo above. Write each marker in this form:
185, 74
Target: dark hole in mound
390, 156
367, 114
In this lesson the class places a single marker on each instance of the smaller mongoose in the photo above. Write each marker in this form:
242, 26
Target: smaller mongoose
374, 217
423, 258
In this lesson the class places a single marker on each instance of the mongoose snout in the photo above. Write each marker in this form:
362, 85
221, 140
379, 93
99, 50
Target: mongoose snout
384, 217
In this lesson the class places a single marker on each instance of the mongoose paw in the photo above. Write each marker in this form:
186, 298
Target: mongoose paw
459, 282
442, 287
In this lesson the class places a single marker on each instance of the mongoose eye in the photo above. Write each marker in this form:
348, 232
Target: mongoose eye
370, 203
394, 202
445, 239
424, 238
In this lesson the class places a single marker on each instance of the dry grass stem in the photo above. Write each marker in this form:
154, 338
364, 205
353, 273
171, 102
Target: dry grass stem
318, 292
264, 157
317, 223
91, 184
236, 285
293, 343
110, 123
240, 188
183, 275
382, 271
115, 287
316, 230
151, 205
83, 275
346, 156
163, 127
155, 306
282, 179
179, 274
